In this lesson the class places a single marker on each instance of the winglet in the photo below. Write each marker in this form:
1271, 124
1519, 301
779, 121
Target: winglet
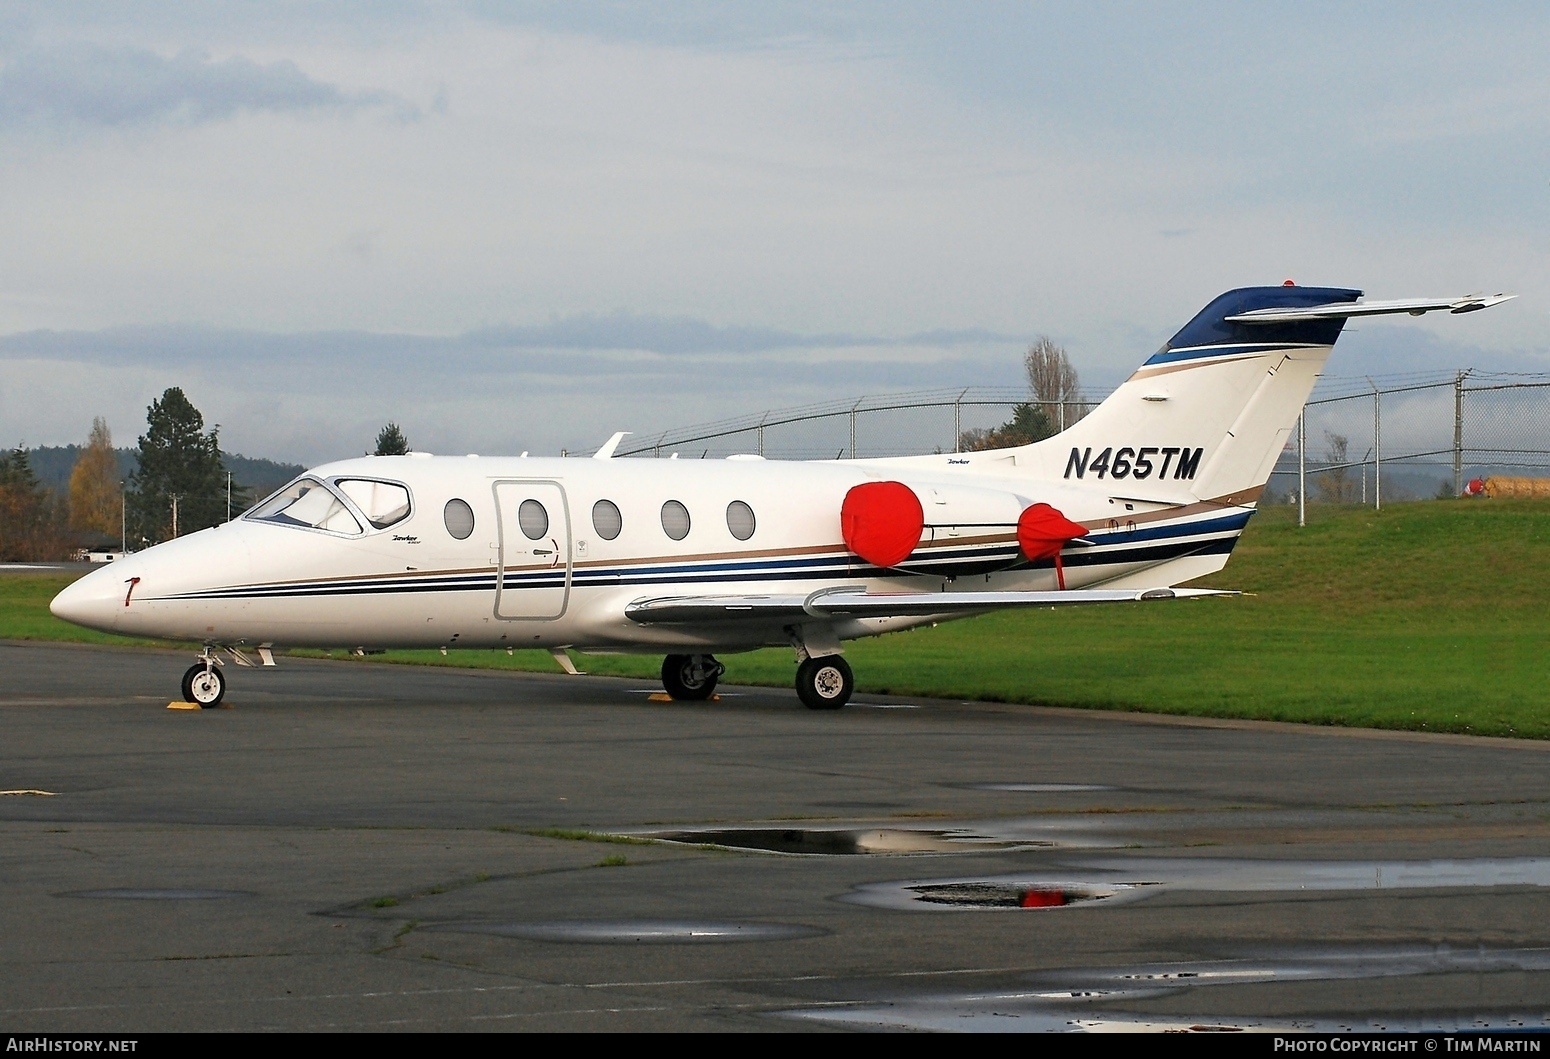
607, 451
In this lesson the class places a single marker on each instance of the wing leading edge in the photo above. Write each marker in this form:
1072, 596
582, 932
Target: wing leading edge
856, 602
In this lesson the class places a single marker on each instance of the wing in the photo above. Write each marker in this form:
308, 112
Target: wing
838, 603
1413, 306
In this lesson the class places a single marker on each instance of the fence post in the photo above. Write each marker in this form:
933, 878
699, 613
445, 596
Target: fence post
1458, 433
1062, 415
958, 421
1377, 447
853, 429
761, 432
1302, 468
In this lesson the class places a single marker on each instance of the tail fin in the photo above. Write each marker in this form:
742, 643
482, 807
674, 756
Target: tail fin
1207, 415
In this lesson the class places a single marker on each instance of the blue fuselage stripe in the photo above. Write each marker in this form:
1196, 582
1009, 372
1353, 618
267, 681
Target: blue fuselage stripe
1121, 546
1173, 356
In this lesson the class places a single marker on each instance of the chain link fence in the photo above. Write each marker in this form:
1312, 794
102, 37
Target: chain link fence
1361, 440
1414, 437
900, 424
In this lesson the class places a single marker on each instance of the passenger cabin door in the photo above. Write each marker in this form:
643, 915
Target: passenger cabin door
535, 550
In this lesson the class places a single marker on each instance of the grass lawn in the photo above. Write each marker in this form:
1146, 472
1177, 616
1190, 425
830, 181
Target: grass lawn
1430, 615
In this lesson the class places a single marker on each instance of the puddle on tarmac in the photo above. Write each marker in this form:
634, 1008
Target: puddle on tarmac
1093, 999
638, 932
158, 894
1117, 881
848, 841
1055, 894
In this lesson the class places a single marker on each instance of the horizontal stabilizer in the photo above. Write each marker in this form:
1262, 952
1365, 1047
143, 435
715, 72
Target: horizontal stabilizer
1345, 310
856, 602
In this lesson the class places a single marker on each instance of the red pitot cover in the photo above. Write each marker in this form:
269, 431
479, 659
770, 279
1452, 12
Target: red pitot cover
882, 522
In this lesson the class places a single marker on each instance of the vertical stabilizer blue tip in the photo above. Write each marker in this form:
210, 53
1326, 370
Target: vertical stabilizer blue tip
1210, 326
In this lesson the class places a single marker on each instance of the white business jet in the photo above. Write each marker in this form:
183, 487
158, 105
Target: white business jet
691, 558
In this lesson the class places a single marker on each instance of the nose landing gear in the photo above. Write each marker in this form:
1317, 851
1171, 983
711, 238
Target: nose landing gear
204, 683
691, 677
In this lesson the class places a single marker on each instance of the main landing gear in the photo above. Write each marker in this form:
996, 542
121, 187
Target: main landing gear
822, 683
691, 677
204, 683
825, 683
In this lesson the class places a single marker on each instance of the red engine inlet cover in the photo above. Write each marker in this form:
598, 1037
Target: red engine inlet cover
882, 522
1042, 531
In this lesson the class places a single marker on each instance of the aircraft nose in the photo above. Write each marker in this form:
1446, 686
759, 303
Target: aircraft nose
94, 601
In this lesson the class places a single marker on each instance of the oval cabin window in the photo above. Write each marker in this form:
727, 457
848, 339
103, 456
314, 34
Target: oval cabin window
740, 520
675, 520
459, 518
533, 519
606, 519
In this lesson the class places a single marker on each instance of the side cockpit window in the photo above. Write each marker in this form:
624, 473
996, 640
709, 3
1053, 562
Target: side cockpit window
309, 503
383, 503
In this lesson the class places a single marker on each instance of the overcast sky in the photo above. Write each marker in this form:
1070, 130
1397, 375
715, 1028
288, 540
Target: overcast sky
520, 226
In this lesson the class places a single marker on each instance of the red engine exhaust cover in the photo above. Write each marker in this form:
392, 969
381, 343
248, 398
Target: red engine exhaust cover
882, 522
1042, 531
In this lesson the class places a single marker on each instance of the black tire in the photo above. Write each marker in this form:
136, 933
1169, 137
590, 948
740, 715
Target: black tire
825, 683
204, 686
691, 678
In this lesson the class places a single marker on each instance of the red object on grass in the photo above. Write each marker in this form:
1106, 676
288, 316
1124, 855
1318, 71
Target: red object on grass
1042, 532
1042, 899
882, 522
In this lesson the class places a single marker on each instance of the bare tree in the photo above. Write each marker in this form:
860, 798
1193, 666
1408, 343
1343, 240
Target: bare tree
1336, 485
1056, 403
1050, 374
1053, 381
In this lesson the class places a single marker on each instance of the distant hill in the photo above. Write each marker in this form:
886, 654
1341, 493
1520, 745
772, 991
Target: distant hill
53, 465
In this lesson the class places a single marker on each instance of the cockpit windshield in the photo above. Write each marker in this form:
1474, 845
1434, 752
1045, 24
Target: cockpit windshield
307, 502
383, 503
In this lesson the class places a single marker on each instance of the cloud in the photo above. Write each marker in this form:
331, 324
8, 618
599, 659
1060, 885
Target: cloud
682, 334
567, 383
91, 85
607, 334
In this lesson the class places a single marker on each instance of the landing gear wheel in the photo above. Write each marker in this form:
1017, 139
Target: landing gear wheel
204, 684
825, 683
691, 677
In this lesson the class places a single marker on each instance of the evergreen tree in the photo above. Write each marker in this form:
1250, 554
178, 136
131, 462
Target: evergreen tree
177, 459
95, 492
32, 527
16, 471
391, 441
1027, 425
